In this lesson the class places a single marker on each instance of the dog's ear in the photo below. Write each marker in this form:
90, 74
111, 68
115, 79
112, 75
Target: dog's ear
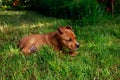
69, 27
60, 30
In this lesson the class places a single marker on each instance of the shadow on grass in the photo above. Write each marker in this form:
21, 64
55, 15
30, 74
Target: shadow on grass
18, 18
26, 18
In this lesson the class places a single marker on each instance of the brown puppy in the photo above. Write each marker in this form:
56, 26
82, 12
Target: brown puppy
64, 37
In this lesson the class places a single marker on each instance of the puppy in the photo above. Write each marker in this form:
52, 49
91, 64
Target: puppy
64, 37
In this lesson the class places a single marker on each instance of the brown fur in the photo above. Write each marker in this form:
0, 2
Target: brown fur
64, 37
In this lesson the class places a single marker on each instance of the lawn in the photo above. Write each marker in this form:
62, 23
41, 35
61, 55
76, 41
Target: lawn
98, 58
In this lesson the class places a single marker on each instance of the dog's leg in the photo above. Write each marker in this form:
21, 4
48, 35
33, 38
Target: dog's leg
29, 49
72, 53
32, 48
25, 51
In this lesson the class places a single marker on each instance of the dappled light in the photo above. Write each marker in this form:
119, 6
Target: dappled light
95, 24
24, 19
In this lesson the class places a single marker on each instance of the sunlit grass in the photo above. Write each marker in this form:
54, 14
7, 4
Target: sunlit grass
98, 57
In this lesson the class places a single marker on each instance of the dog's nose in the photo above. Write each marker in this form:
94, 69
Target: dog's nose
77, 45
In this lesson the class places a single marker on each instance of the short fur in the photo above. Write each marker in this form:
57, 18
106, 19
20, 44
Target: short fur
63, 37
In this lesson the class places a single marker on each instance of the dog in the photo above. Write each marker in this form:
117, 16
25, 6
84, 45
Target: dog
63, 38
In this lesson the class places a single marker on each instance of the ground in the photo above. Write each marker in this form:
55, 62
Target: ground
98, 58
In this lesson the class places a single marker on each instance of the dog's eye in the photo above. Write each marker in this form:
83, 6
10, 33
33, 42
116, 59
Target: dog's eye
69, 39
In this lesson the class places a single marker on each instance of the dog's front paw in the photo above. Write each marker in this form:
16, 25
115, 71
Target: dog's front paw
73, 53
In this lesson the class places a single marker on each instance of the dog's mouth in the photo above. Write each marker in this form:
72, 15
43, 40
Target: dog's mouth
73, 49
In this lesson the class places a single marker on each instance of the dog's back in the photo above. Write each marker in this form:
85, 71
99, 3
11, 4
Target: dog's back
64, 37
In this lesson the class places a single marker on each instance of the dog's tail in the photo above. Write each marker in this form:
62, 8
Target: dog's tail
19, 45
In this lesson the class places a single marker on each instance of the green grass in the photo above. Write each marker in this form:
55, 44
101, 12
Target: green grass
98, 58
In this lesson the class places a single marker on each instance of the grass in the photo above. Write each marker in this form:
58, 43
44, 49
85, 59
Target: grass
98, 58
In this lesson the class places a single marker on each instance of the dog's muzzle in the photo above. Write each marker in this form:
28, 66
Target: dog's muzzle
77, 45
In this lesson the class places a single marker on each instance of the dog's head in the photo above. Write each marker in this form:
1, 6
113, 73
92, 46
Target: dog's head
67, 38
